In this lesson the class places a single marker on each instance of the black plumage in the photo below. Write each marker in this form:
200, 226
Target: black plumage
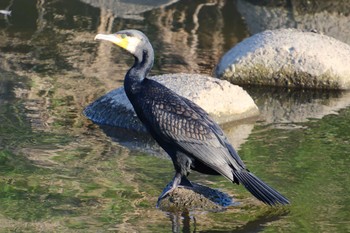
182, 128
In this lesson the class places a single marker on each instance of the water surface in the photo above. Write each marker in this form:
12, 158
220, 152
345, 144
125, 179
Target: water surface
61, 173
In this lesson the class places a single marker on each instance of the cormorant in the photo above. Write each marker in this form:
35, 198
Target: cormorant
182, 128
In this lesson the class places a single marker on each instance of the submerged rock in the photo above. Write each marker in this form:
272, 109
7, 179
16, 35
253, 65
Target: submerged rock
223, 101
288, 57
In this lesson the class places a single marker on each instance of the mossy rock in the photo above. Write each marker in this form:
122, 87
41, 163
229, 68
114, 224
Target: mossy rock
288, 58
198, 197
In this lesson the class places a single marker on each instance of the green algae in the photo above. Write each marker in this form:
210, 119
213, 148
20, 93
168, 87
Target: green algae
286, 77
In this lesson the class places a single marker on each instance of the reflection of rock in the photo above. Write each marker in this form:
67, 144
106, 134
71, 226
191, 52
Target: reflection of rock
225, 102
281, 106
129, 9
238, 132
328, 17
288, 57
198, 197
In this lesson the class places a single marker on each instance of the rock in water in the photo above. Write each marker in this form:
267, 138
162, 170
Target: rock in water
290, 58
198, 197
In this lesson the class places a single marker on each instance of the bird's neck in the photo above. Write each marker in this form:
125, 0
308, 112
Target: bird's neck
138, 72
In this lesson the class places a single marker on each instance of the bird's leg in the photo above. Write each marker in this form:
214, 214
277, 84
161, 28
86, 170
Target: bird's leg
170, 187
185, 167
185, 182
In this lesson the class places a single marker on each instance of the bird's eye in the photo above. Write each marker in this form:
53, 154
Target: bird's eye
123, 36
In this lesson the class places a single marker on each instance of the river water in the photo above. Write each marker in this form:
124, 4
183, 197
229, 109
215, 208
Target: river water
61, 173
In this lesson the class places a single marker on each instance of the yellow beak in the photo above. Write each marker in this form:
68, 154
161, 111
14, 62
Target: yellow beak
114, 38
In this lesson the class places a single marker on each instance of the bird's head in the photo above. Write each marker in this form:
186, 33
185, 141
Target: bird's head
132, 41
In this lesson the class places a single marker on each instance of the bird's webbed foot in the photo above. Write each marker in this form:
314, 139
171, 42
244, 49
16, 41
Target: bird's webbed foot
178, 180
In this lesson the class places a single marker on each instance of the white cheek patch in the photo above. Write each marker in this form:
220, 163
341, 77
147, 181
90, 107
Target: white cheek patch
133, 43
117, 40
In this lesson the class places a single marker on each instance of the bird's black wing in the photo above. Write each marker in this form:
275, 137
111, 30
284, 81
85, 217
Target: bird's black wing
180, 122
216, 129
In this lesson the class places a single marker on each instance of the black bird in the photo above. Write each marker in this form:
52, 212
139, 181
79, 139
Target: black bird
182, 128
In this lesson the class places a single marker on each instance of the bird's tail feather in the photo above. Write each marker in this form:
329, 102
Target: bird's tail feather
259, 189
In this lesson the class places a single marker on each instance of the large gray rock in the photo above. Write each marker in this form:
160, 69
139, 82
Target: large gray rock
223, 101
288, 57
